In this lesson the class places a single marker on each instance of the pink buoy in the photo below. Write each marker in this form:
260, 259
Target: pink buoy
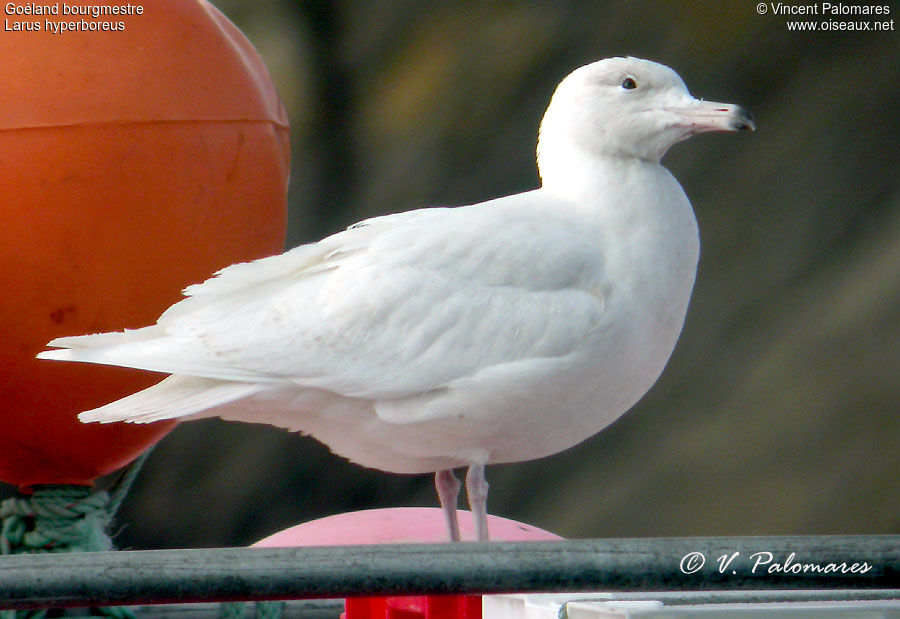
402, 525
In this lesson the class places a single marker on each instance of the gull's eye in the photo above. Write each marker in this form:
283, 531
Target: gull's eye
629, 84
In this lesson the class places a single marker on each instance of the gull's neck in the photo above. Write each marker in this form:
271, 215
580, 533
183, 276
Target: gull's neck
624, 197
579, 176
642, 221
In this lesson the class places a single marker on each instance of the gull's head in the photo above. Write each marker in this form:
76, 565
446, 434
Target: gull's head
628, 108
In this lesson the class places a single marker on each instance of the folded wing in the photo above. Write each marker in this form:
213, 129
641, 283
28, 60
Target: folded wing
391, 308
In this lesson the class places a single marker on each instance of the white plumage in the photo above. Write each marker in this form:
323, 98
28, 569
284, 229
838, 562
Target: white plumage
446, 337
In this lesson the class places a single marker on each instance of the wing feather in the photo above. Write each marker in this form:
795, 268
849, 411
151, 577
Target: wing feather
393, 307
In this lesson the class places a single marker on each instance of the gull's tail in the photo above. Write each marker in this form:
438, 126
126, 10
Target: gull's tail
150, 348
196, 385
174, 397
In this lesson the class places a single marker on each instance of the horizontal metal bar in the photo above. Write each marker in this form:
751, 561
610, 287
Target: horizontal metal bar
332, 609
686, 598
293, 609
648, 564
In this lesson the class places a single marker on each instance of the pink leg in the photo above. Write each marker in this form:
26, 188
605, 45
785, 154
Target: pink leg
448, 491
477, 490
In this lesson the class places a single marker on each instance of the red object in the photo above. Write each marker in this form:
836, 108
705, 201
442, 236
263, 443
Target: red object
402, 525
133, 162
414, 607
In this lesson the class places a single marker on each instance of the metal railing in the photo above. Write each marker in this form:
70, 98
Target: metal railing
744, 568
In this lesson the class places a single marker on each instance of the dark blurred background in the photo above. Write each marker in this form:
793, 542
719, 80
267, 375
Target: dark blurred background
778, 413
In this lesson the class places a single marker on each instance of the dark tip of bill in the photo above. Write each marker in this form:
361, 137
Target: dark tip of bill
743, 120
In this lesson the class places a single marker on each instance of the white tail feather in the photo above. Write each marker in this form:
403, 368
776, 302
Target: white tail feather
149, 349
98, 340
174, 397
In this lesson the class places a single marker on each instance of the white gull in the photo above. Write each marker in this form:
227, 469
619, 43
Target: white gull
448, 337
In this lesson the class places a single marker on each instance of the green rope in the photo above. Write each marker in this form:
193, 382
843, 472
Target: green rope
55, 519
232, 610
269, 610
262, 610
64, 518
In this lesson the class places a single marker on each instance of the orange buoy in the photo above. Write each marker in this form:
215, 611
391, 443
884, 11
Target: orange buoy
133, 161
